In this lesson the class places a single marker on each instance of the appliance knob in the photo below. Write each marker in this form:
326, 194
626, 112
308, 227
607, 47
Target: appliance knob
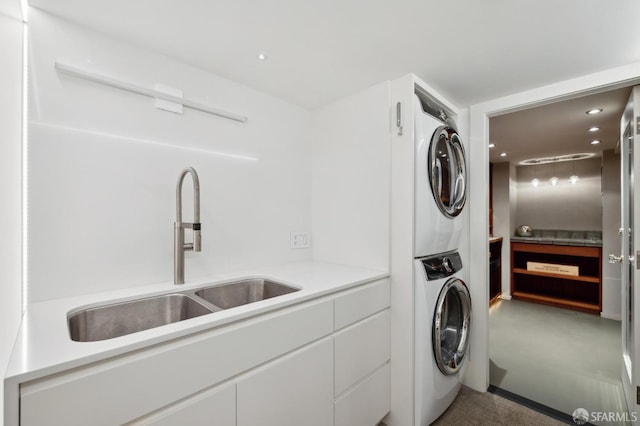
446, 264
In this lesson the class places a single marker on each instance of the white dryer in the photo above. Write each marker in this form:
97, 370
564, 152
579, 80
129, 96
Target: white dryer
440, 181
442, 321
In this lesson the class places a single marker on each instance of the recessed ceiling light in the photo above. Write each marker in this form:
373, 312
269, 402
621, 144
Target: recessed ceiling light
504, 154
596, 142
492, 145
594, 111
594, 129
262, 56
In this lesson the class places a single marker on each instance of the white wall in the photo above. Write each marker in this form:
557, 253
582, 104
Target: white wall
462, 121
564, 206
11, 40
11, 9
351, 180
103, 165
402, 234
611, 243
477, 372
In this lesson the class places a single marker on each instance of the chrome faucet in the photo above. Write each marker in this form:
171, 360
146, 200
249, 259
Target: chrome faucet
179, 246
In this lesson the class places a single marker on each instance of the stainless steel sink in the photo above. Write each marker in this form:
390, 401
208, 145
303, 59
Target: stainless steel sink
242, 292
119, 319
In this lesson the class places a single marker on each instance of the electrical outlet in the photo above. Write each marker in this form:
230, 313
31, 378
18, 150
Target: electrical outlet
300, 240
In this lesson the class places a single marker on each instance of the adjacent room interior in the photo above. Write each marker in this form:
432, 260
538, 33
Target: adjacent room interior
555, 331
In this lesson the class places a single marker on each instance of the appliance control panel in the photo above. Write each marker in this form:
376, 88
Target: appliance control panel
441, 265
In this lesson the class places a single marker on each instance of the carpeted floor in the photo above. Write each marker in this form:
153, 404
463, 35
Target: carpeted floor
475, 408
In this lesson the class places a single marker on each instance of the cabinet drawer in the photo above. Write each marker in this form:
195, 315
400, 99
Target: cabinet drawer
217, 405
360, 349
294, 390
367, 403
127, 387
357, 304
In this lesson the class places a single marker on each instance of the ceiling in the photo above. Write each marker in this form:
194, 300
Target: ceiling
11, 8
559, 128
322, 50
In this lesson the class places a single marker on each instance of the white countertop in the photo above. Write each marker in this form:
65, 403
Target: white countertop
43, 345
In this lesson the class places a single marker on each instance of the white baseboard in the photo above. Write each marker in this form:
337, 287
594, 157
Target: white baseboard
616, 317
505, 296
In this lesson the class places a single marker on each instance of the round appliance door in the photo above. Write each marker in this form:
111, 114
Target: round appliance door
448, 171
451, 326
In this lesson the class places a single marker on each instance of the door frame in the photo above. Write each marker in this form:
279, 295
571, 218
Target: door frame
477, 372
629, 204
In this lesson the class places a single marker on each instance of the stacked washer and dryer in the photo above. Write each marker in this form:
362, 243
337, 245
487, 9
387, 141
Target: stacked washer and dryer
442, 300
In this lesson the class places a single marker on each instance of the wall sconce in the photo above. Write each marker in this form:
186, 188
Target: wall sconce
573, 178
535, 181
554, 180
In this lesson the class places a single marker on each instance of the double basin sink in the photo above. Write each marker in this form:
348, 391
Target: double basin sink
118, 319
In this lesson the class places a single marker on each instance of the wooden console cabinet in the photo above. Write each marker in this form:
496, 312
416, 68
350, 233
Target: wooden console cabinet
495, 269
582, 292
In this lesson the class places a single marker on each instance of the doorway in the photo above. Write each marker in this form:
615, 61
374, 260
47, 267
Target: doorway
477, 374
555, 337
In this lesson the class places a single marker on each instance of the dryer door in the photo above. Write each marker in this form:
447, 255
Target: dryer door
448, 171
460, 174
451, 326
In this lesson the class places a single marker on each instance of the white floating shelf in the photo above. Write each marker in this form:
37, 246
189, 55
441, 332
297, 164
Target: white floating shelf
142, 90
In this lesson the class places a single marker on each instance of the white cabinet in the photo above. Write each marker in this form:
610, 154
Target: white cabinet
361, 349
362, 376
213, 406
124, 388
366, 403
292, 391
354, 305
319, 363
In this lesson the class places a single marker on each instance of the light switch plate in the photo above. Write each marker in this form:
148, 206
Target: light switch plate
300, 240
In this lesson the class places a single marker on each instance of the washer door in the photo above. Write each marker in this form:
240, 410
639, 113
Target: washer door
451, 326
448, 171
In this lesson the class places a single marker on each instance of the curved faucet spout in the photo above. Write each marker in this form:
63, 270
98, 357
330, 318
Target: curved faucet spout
179, 246
196, 194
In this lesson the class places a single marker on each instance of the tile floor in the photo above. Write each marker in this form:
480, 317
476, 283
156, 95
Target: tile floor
559, 358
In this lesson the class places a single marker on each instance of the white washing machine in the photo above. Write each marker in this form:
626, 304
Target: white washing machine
443, 315
440, 180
